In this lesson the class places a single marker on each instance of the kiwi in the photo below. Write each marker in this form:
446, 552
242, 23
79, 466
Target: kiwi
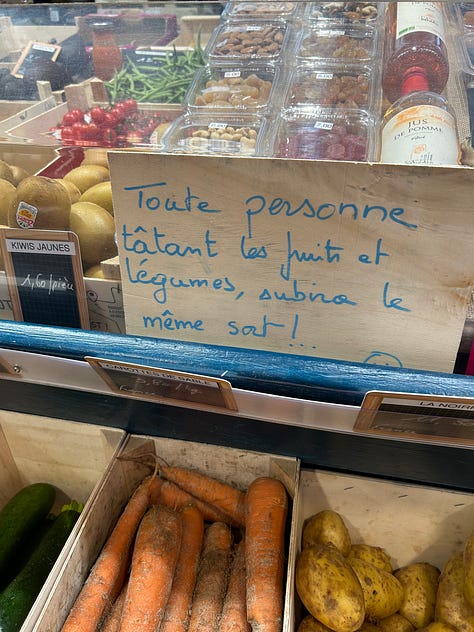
49, 199
19, 174
95, 272
7, 194
71, 188
6, 172
85, 176
95, 229
100, 194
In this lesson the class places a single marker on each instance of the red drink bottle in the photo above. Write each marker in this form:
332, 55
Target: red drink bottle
414, 38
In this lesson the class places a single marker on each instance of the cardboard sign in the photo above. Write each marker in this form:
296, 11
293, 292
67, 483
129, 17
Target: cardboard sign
44, 276
414, 416
33, 53
164, 384
359, 262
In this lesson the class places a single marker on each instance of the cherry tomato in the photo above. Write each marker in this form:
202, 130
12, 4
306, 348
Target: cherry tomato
109, 135
109, 120
67, 134
79, 131
130, 105
97, 115
68, 119
92, 132
119, 111
78, 115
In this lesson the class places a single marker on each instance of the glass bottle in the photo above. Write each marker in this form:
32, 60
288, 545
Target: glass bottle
106, 54
419, 128
415, 36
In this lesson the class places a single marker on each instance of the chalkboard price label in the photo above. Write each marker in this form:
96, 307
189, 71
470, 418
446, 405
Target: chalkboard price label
164, 385
45, 277
436, 418
33, 53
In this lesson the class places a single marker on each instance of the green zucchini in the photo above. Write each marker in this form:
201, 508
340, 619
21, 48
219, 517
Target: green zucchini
20, 594
19, 520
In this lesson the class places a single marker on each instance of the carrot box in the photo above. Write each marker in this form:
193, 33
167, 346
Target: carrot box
133, 463
410, 523
69, 459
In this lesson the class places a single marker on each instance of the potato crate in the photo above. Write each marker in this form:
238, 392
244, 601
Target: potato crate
412, 523
73, 457
228, 464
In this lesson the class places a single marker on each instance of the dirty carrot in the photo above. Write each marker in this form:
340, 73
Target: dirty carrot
155, 555
176, 615
107, 576
234, 610
226, 498
112, 620
211, 581
175, 497
266, 512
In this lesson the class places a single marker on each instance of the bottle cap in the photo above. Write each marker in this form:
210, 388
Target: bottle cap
414, 80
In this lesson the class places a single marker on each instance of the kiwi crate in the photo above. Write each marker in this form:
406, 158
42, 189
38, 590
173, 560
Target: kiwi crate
412, 523
73, 457
228, 464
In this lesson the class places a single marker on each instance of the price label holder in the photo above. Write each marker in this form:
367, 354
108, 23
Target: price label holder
436, 418
164, 385
44, 276
33, 53
8, 369
153, 57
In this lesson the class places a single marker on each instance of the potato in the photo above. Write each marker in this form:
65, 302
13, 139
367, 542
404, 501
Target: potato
310, 624
451, 605
468, 562
372, 554
369, 627
420, 583
326, 527
438, 626
395, 623
329, 589
383, 593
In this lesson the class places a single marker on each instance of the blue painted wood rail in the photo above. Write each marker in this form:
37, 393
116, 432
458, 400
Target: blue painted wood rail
304, 377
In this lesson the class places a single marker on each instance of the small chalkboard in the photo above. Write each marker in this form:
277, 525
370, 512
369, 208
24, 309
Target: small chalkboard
145, 382
45, 277
437, 418
33, 53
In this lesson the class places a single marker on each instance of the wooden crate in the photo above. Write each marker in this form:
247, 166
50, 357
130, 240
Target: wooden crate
231, 465
73, 457
412, 523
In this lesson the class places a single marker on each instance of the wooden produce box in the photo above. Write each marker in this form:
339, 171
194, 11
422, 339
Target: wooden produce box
193, 28
71, 456
228, 464
412, 523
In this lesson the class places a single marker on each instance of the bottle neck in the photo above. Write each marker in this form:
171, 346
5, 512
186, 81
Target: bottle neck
414, 80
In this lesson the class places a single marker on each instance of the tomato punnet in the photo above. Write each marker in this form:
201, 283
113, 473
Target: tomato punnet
131, 105
78, 115
109, 120
68, 119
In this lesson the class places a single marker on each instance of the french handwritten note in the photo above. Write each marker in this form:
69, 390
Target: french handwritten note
358, 262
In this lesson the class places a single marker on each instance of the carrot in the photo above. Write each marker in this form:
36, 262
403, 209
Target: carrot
112, 620
155, 555
226, 498
176, 615
174, 497
211, 581
267, 508
234, 610
107, 576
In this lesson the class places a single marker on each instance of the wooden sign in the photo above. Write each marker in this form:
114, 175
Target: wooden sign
33, 53
414, 416
362, 262
44, 276
164, 384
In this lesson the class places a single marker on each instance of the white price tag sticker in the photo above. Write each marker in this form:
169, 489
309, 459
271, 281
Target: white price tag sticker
323, 125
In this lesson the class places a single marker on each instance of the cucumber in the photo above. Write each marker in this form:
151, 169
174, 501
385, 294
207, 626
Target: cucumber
20, 594
19, 519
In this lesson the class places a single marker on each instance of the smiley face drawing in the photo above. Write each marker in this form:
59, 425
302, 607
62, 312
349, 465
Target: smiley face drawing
384, 359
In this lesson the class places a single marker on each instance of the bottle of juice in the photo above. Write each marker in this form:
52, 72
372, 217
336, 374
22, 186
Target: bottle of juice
415, 36
419, 128
106, 54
